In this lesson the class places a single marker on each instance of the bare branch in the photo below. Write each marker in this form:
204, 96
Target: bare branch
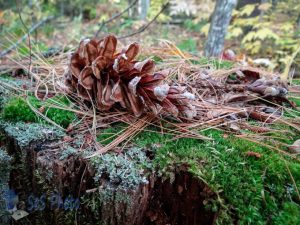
33, 28
114, 17
28, 34
143, 28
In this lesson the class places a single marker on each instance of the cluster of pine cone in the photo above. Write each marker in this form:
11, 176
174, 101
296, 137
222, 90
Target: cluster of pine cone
99, 74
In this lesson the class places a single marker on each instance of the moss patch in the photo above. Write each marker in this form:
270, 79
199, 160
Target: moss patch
17, 109
107, 135
251, 190
215, 63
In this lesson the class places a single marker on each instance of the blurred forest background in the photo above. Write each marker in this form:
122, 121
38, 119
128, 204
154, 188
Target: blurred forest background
264, 32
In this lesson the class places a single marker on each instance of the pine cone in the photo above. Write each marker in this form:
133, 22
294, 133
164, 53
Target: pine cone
99, 74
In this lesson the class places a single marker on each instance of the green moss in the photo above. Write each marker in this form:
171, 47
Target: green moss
17, 109
284, 217
59, 116
296, 100
189, 45
215, 63
107, 135
296, 81
255, 190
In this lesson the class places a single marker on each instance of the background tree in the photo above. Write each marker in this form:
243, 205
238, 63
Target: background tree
144, 6
218, 28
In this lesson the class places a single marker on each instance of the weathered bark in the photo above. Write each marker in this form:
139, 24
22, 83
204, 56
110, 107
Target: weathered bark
180, 202
218, 28
4, 177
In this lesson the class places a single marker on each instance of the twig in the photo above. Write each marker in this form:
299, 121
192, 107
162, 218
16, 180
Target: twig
114, 17
33, 28
293, 179
28, 34
143, 28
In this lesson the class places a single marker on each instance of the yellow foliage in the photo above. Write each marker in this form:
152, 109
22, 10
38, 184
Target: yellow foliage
205, 29
234, 32
287, 27
272, 34
265, 6
253, 47
288, 64
247, 10
155, 7
265, 33
244, 22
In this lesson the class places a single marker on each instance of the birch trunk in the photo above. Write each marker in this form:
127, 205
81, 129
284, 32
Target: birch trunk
218, 28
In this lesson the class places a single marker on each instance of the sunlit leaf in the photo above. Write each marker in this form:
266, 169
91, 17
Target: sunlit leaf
205, 29
265, 6
247, 10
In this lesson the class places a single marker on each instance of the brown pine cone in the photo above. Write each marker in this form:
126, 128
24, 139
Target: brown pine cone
100, 74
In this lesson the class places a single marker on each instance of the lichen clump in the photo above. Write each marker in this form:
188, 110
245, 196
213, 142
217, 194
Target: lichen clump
25, 133
126, 170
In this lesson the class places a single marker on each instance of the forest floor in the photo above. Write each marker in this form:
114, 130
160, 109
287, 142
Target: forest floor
250, 173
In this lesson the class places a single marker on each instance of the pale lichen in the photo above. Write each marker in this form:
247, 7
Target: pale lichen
25, 133
126, 170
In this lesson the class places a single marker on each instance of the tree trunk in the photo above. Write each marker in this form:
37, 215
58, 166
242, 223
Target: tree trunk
242, 3
298, 26
218, 28
262, 12
143, 8
133, 11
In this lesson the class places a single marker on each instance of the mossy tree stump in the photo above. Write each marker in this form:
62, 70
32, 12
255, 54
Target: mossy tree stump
115, 188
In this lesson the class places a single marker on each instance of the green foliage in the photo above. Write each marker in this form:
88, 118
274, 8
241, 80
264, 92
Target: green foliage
193, 25
17, 109
127, 23
189, 45
296, 100
215, 63
285, 217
